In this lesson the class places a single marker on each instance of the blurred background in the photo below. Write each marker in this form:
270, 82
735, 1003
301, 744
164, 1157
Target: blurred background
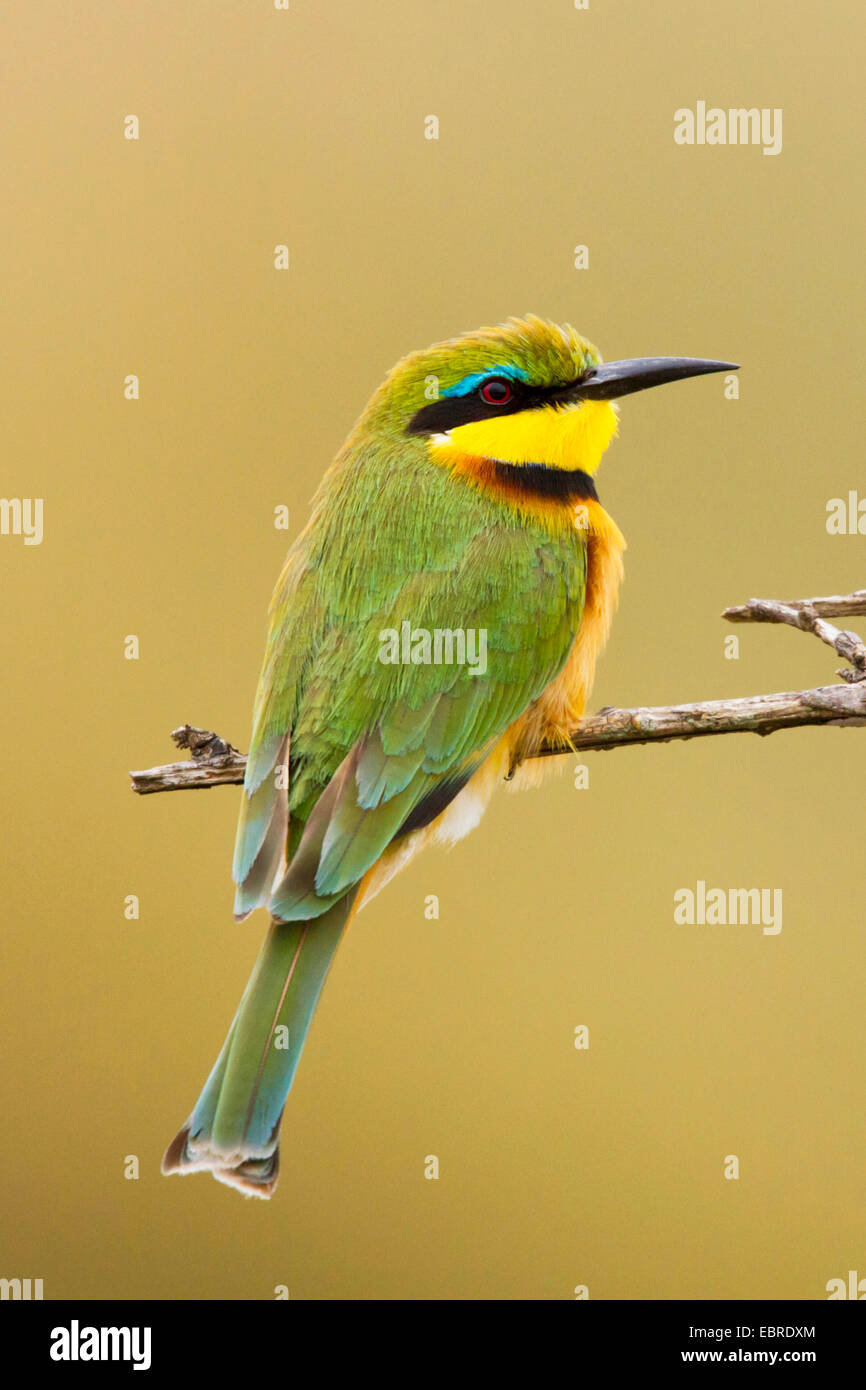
452, 1037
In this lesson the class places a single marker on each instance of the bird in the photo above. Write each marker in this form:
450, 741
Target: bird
462, 502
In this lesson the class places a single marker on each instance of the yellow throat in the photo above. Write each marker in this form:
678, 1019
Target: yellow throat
559, 436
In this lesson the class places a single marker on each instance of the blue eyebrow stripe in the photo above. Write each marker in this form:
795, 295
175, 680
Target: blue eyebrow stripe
472, 382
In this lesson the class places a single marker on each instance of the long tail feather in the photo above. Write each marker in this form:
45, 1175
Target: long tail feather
233, 1131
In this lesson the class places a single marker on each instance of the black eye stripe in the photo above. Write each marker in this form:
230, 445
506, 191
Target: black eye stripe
450, 411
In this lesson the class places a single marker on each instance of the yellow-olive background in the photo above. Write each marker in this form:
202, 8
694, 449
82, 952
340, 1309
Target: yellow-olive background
451, 1037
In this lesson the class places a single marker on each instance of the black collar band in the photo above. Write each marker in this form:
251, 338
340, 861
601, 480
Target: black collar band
539, 480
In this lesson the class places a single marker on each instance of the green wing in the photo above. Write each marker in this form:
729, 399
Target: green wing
375, 750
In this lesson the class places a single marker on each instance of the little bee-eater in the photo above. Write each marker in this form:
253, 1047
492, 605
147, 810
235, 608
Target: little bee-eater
462, 503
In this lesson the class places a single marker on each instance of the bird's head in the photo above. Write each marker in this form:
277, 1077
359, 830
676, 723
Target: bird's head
526, 392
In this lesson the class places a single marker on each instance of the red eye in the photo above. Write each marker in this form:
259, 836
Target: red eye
496, 392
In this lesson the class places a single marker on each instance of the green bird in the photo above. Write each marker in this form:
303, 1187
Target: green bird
439, 616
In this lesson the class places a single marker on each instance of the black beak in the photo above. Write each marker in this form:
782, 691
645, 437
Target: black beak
610, 380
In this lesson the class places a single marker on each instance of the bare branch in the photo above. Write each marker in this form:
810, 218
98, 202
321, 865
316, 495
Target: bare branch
809, 614
198, 772
215, 762
838, 606
754, 714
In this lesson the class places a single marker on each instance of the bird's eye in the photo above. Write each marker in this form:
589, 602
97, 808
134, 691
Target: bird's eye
496, 391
